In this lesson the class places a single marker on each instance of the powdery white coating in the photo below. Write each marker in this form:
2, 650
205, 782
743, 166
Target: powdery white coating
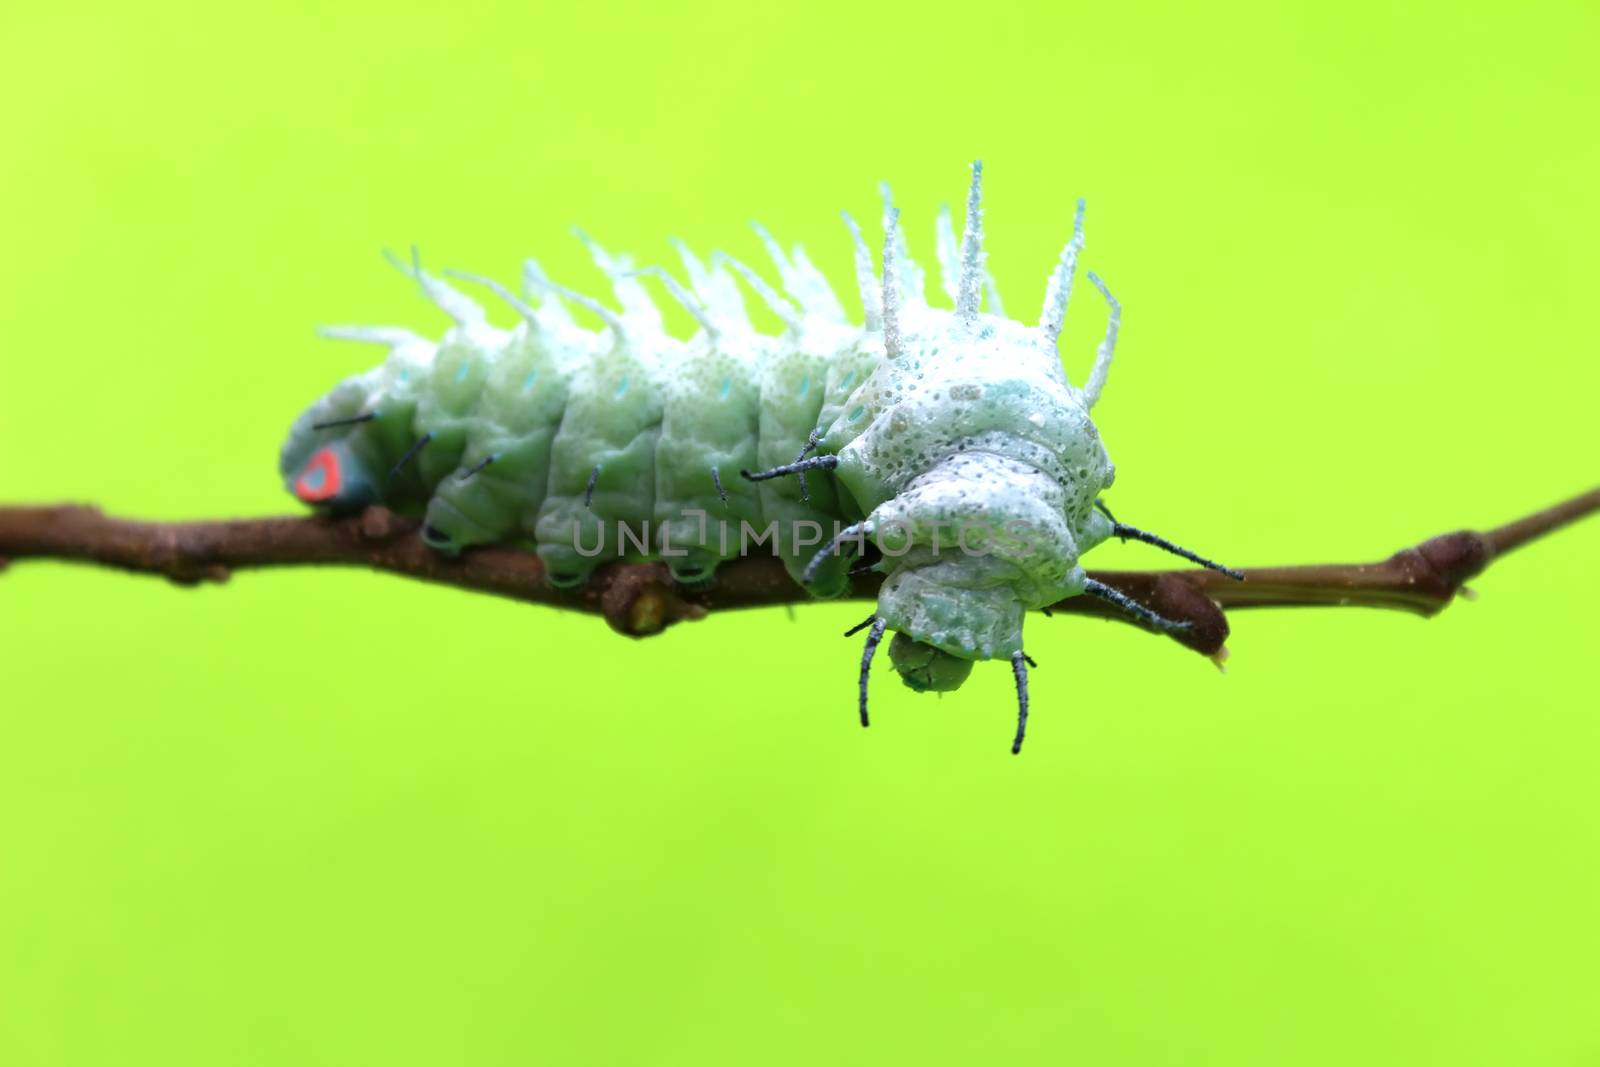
973, 432
972, 460
969, 285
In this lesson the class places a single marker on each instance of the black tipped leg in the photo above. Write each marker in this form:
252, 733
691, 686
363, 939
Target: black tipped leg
716, 480
1122, 600
1133, 533
811, 444
823, 463
1019, 670
873, 637
588, 490
862, 625
810, 573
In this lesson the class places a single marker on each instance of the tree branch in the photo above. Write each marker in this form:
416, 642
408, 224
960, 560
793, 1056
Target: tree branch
640, 599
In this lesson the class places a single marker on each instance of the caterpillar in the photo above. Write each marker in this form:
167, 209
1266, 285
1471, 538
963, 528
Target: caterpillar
831, 445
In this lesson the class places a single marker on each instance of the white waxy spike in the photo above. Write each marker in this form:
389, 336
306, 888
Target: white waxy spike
819, 297
995, 306
946, 250
915, 291
717, 290
615, 322
969, 291
891, 284
684, 298
866, 277
769, 296
515, 302
730, 299
776, 254
393, 336
800, 278
552, 311
460, 307
637, 307
1108, 345
911, 287
1059, 290
699, 276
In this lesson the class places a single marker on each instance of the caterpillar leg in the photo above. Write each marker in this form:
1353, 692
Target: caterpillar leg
1102, 591
696, 533
827, 574
1124, 532
485, 499
798, 536
459, 519
565, 567
825, 463
874, 636
812, 441
1019, 670
925, 668
1133, 533
696, 569
856, 532
572, 541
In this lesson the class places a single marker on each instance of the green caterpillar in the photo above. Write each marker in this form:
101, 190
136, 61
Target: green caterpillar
947, 441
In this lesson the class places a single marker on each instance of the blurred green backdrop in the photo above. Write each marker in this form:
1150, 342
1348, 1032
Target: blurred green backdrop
335, 818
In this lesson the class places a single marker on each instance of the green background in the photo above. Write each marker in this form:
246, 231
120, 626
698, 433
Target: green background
337, 818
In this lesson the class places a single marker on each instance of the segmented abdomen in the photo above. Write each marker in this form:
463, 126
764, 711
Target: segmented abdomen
593, 446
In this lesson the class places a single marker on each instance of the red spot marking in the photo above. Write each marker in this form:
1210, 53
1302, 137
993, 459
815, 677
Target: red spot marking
312, 489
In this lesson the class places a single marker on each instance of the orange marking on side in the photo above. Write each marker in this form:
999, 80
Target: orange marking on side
313, 491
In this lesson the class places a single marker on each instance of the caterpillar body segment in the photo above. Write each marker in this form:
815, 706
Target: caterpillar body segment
802, 382
950, 437
524, 395
603, 462
716, 376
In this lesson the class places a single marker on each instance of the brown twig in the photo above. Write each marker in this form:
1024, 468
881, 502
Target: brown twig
640, 599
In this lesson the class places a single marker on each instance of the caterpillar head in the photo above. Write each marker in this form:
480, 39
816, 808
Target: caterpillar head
927, 668
979, 475
975, 460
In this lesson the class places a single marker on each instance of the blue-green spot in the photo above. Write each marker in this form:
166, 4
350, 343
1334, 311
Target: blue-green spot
622, 388
527, 383
848, 378
461, 371
727, 387
805, 387
856, 412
